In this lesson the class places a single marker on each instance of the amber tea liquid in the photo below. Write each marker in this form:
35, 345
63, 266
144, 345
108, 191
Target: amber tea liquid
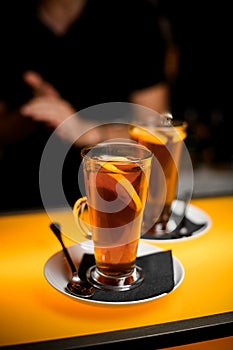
116, 195
166, 145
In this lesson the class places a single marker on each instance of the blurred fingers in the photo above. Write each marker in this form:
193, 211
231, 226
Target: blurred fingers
40, 86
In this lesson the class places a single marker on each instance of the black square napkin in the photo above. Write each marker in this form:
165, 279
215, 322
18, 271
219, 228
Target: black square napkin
158, 278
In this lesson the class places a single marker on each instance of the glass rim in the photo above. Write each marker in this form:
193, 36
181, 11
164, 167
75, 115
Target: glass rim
173, 124
85, 150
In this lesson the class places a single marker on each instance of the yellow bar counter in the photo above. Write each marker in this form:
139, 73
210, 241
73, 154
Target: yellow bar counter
33, 314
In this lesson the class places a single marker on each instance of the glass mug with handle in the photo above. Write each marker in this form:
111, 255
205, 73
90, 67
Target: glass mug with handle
165, 138
116, 177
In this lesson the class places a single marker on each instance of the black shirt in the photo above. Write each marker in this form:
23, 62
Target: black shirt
114, 48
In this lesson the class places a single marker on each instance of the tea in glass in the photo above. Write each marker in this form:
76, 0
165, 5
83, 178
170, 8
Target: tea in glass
166, 144
116, 179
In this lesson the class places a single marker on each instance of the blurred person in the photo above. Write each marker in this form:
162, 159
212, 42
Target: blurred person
60, 57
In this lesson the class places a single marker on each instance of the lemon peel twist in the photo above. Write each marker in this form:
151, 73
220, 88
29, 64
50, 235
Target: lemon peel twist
117, 174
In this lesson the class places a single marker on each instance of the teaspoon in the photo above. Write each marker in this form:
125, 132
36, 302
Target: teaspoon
75, 286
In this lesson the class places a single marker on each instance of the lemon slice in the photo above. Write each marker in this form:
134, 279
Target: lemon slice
131, 191
111, 167
146, 135
179, 135
117, 174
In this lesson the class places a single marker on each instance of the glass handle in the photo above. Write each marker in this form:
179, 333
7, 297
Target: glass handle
80, 211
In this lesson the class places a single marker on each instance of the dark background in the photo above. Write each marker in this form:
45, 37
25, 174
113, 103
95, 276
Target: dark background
202, 92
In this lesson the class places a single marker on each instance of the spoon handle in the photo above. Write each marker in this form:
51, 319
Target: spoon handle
55, 227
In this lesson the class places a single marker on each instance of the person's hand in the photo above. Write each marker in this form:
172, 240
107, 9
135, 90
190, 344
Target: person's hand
48, 109
47, 105
39, 86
